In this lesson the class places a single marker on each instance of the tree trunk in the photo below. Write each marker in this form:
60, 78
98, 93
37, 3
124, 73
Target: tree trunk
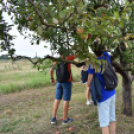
126, 84
127, 96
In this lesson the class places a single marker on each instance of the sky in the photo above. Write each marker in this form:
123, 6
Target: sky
23, 46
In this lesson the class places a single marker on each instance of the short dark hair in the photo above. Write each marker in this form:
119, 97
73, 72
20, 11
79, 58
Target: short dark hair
98, 48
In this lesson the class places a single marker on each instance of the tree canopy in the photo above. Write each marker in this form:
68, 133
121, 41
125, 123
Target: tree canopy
73, 25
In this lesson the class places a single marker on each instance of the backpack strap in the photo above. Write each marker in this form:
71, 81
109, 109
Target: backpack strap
107, 59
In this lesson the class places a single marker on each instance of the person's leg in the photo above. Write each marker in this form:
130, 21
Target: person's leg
65, 110
55, 107
87, 93
88, 97
112, 116
66, 97
105, 130
59, 93
103, 113
112, 127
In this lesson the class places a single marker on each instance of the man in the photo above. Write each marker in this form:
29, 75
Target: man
106, 106
62, 89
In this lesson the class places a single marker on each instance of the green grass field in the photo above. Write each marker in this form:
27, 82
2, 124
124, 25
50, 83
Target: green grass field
27, 97
21, 76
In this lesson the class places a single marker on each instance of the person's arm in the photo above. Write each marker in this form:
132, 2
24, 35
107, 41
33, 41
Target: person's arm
83, 67
91, 72
52, 75
90, 77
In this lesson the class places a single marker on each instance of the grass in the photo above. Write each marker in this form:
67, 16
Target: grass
16, 77
29, 111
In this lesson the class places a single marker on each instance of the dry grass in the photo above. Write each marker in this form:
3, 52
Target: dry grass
29, 112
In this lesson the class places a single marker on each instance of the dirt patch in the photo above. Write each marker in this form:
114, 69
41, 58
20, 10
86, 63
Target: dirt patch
23, 95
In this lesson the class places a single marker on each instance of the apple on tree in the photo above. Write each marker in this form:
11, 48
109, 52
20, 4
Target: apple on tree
89, 35
80, 30
29, 18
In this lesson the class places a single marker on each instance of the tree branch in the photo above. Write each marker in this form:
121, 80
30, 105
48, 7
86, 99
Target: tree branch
50, 25
71, 14
48, 57
120, 70
41, 17
132, 77
116, 53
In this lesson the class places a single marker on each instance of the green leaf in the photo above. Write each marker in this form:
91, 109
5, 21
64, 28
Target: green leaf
116, 41
115, 31
38, 42
39, 29
89, 41
62, 14
84, 20
104, 39
70, 1
116, 14
32, 25
122, 24
130, 44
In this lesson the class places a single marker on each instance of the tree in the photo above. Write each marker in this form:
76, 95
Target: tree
73, 25
4, 57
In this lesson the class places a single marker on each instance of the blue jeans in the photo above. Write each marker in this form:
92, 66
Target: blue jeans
63, 89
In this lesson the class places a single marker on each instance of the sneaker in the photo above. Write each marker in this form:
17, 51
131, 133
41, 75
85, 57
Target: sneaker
81, 82
88, 103
67, 121
53, 120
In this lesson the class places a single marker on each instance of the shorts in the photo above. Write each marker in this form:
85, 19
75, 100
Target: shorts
63, 89
106, 111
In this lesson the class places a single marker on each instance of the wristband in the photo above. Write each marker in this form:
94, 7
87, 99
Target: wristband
52, 78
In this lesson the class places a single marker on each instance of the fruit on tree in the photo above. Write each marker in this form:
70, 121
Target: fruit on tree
80, 30
89, 36
29, 18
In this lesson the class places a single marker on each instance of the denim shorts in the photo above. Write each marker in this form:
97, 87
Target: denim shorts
63, 89
106, 111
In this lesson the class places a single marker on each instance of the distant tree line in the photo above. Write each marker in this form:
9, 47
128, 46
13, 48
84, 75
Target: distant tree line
4, 57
